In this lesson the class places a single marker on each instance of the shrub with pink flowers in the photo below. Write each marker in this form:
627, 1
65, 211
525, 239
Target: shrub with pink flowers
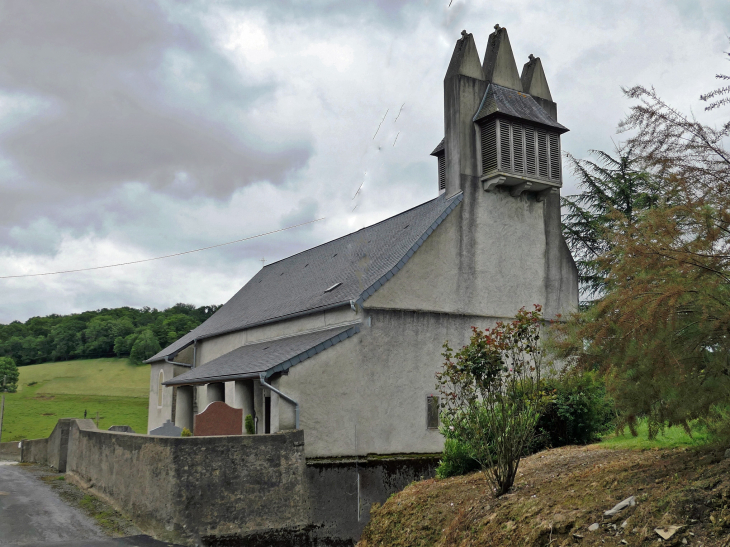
491, 394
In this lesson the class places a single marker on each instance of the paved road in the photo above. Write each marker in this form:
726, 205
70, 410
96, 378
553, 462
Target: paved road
31, 513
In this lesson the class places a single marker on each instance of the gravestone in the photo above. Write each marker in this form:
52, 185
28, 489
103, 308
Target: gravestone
122, 429
168, 429
218, 419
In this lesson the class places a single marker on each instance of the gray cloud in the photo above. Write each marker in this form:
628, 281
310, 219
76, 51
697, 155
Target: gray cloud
102, 73
135, 129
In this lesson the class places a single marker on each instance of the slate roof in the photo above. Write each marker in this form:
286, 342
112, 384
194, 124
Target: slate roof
439, 148
265, 357
502, 100
361, 262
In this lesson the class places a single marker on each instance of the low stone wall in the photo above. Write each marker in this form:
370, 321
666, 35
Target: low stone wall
35, 450
10, 451
193, 487
254, 490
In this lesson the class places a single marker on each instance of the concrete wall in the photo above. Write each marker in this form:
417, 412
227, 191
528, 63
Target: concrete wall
367, 395
159, 414
194, 487
211, 348
340, 503
10, 451
34, 450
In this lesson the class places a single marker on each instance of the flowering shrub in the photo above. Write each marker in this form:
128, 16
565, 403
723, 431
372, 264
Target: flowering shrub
491, 394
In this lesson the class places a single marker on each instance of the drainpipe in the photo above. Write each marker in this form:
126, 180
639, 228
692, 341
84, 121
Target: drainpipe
262, 379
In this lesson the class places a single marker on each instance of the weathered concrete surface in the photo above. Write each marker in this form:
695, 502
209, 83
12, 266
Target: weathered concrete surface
193, 487
31, 513
34, 450
10, 451
341, 503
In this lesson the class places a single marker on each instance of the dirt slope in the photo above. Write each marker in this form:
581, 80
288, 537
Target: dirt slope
559, 494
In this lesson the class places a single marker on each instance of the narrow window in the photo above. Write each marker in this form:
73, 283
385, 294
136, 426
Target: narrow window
489, 147
554, 156
432, 412
442, 172
160, 379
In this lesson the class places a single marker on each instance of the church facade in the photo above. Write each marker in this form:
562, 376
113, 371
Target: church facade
343, 340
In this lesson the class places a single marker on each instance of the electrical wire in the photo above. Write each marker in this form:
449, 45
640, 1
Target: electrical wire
161, 257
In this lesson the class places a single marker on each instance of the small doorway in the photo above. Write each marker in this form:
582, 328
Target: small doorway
267, 414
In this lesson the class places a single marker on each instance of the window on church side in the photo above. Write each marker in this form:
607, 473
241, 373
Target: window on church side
159, 389
432, 412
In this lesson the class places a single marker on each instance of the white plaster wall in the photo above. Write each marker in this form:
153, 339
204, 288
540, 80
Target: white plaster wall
156, 416
211, 348
375, 383
487, 259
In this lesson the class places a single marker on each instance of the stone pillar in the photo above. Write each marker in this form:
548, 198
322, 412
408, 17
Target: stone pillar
216, 392
184, 407
243, 398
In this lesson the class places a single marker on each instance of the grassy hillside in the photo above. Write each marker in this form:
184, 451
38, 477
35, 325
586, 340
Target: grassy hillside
559, 499
47, 392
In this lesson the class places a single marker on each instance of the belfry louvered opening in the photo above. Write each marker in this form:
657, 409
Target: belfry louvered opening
442, 172
518, 148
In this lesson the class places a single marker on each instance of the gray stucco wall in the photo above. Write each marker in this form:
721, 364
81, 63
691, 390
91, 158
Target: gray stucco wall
34, 450
158, 415
367, 395
196, 486
10, 451
488, 258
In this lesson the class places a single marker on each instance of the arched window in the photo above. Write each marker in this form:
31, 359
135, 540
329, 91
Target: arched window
159, 389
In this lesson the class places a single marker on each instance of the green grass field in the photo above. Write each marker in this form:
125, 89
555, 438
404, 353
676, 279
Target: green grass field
672, 437
115, 389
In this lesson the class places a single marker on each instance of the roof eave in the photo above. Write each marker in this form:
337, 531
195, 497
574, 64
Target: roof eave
279, 367
558, 128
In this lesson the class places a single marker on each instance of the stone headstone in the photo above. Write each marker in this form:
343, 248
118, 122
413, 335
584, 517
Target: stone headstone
168, 429
218, 419
122, 428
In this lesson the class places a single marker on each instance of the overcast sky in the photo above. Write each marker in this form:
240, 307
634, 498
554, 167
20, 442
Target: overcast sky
135, 129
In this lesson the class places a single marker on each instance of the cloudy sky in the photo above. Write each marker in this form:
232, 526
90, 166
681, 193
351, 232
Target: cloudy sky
134, 129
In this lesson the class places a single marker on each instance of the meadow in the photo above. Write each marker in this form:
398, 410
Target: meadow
114, 388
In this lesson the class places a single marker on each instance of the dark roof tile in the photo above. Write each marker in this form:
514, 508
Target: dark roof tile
502, 100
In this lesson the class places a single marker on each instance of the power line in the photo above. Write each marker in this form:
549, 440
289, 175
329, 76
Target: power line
161, 257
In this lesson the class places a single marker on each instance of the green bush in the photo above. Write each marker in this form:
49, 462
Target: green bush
250, 429
579, 411
186, 432
456, 460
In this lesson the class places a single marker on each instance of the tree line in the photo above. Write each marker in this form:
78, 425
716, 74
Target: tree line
118, 332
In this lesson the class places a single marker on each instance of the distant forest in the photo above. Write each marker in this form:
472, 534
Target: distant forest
120, 332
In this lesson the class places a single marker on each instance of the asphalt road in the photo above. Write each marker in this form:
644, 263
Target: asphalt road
31, 513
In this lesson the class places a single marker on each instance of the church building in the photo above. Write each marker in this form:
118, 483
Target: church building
344, 340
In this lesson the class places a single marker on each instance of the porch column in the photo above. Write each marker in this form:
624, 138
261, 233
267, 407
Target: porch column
184, 407
243, 398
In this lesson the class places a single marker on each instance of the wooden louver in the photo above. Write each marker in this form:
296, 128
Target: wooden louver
520, 149
442, 171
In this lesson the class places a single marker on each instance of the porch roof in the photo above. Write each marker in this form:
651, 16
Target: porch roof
270, 357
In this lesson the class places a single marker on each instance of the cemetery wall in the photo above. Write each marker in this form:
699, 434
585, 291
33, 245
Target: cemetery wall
35, 450
10, 451
194, 487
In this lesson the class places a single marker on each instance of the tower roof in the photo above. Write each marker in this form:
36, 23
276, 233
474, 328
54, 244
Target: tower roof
465, 59
515, 104
533, 79
499, 62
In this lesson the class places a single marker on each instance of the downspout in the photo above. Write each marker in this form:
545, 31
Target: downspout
262, 379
